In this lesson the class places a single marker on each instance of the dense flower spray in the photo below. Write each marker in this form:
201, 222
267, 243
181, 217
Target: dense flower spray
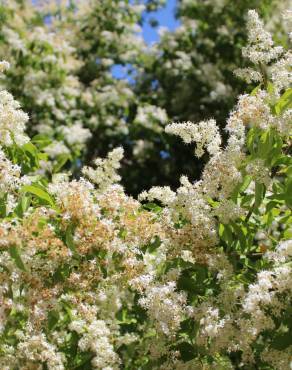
197, 278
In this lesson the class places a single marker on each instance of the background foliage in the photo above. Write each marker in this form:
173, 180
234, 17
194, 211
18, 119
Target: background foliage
61, 71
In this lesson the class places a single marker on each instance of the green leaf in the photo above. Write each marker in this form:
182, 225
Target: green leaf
53, 318
60, 162
152, 207
285, 102
23, 205
270, 88
225, 233
16, 256
30, 148
240, 234
255, 90
282, 341
271, 205
83, 361
245, 183
187, 351
41, 141
69, 238
265, 144
40, 193
153, 245
122, 233
288, 194
187, 283
259, 194
3, 206
190, 327
250, 139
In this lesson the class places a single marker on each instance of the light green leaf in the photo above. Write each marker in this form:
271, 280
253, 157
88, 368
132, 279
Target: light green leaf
40, 193
16, 256
284, 102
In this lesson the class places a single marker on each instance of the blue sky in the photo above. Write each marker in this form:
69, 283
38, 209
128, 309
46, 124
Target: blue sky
165, 18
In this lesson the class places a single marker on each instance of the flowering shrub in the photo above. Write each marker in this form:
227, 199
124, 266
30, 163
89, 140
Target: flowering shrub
47, 75
63, 61
197, 278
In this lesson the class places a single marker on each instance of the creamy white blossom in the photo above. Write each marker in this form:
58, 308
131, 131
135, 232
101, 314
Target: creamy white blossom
261, 47
205, 134
12, 121
105, 172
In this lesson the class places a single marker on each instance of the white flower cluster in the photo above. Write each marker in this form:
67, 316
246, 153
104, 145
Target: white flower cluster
75, 134
66, 192
259, 172
282, 253
12, 121
222, 174
204, 134
252, 110
248, 74
36, 348
211, 323
261, 51
96, 338
228, 211
163, 194
287, 17
279, 359
105, 173
261, 47
149, 115
233, 327
255, 111
165, 306
4, 65
266, 296
9, 174
281, 74
56, 148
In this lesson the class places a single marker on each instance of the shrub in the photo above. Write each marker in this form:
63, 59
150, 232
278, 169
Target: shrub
194, 278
